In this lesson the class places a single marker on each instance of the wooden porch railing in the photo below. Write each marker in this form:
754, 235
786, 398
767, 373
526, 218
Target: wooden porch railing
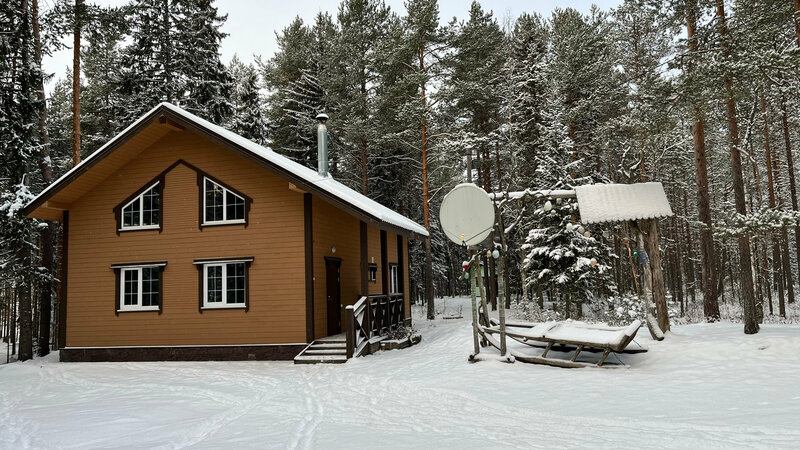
372, 316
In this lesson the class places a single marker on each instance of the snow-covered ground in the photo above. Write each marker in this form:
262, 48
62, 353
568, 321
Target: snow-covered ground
705, 386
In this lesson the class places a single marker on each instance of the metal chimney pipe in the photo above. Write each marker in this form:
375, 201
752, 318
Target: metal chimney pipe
322, 145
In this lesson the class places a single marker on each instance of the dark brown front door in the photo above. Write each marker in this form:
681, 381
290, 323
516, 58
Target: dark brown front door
333, 293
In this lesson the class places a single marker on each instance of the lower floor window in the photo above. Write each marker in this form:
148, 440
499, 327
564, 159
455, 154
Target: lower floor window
224, 284
139, 288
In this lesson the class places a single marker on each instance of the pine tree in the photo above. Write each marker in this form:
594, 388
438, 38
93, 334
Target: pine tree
363, 24
473, 87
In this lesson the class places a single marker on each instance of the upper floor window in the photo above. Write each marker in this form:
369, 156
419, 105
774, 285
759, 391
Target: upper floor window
221, 205
144, 211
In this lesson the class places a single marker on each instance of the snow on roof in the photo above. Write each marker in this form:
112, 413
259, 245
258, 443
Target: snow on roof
326, 183
622, 202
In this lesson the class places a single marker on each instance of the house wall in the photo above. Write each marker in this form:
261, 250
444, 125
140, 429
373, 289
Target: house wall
406, 278
331, 228
374, 256
274, 237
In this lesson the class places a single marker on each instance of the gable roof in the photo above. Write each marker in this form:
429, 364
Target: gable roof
305, 178
622, 202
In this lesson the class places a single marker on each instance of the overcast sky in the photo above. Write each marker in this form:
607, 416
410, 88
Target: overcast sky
252, 24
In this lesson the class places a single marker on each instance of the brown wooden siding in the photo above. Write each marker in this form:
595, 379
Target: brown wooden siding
333, 227
274, 237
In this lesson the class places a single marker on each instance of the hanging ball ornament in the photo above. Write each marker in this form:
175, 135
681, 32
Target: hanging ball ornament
466, 276
593, 262
635, 254
495, 254
581, 229
465, 265
548, 206
488, 253
569, 227
587, 234
558, 201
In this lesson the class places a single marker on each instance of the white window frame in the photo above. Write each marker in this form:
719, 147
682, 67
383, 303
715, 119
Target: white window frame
139, 294
394, 279
224, 303
140, 197
225, 192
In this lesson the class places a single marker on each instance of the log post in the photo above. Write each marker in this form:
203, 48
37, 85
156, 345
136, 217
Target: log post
650, 228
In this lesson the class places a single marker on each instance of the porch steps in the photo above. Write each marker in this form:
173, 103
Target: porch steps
327, 351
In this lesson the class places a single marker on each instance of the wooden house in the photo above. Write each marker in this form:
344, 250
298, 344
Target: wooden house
183, 240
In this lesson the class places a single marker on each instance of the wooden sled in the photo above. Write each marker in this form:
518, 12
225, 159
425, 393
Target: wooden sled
632, 348
570, 336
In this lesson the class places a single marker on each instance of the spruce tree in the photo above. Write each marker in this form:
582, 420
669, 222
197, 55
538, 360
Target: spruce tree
297, 77
248, 117
173, 56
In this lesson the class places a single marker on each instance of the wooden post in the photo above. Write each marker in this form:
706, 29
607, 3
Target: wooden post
349, 321
502, 304
474, 268
482, 293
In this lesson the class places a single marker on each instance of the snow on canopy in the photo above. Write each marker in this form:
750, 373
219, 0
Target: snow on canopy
622, 202
325, 183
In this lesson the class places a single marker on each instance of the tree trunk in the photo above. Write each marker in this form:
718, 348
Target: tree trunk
793, 191
76, 84
46, 169
710, 304
425, 206
650, 228
772, 174
690, 267
746, 269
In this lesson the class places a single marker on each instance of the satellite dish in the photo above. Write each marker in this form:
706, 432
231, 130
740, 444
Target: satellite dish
467, 215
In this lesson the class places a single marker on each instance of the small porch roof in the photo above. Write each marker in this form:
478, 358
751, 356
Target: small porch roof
599, 203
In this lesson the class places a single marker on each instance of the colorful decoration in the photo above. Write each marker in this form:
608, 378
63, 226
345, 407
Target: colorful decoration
587, 235
548, 206
465, 265
495, 254
581, 229
593, 262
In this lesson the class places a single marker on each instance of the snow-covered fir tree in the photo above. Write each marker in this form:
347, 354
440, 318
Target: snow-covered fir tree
564, 258
248, 118
174, 56
297, 78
